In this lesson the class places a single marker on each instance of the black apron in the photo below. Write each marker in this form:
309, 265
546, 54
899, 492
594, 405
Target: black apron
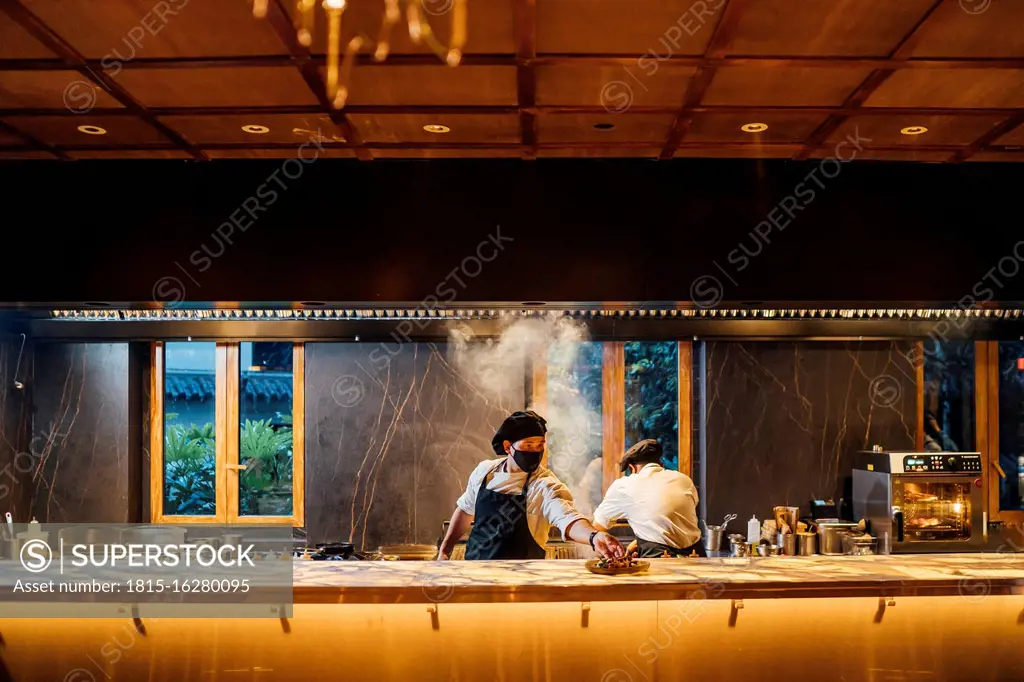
500, 527
649, 550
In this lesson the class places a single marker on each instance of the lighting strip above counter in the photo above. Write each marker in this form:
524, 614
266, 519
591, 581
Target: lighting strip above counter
422, 312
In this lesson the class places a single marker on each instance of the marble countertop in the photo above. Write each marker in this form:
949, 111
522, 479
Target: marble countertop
714, 578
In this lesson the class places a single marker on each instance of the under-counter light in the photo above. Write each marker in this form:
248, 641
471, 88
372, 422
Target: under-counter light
256, 129
604, 126
754, 127
92, 130
914, 130
334, 4
436, 128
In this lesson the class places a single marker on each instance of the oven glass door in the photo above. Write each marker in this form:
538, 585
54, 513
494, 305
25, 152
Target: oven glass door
934, 509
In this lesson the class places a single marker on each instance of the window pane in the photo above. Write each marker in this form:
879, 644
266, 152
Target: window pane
652, 396
265, 429
574, 420
190, 458
1011, 424
949, 396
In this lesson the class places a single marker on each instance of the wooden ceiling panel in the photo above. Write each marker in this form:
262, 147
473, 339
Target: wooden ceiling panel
599, 152
973, 28
489, 27
492, 153
9, 139
783, 127
129, 154
51, 90
283, 128
554, 128
217, 87
968, 88
1013, 138
617, 88
998, 157
645, 29
282, 153
783, 86
17, 43
884, 131
435, 85
408, 128
123, 30
919, 156
750, 151
63, 130
27, 155
825, 27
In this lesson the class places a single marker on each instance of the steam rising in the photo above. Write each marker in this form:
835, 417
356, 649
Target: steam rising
496, 367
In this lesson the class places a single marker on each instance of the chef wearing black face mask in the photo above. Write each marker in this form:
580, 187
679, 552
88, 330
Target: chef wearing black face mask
513, 501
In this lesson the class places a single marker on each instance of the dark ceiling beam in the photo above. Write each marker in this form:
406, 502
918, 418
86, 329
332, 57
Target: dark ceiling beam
526, 77
367, 61
33, 143
701, 80
900, 54
39, 30
988, 138
309, 68
484, 109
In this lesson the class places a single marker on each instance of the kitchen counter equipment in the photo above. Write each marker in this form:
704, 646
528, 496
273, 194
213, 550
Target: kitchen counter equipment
408, 552
805, 543
830, 536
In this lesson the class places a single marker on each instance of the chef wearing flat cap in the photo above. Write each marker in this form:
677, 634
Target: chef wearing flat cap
513, 501
660, 504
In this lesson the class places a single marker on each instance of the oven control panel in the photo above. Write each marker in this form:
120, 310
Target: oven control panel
942, 462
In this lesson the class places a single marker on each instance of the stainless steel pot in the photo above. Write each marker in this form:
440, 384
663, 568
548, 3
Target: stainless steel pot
713, 538
805, 543
830, 536
738, 546
787, 541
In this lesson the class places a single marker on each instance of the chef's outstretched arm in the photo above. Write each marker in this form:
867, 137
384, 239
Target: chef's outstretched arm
604, 543
457, 527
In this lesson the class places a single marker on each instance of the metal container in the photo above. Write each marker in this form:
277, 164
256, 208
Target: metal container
713, 538
738, 545
787, 541
859, 546
805, 543
767, 550
830, 536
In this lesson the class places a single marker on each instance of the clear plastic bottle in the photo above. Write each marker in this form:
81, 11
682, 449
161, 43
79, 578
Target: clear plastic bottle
753, 530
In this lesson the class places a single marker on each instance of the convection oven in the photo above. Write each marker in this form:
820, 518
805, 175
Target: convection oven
918, 502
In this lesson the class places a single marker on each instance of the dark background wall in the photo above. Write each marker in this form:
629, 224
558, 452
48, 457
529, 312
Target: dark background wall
389, 448
582, 230
17, 464
81, 433
783, 420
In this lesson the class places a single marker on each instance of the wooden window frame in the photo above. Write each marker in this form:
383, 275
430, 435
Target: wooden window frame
226, 430
987, 424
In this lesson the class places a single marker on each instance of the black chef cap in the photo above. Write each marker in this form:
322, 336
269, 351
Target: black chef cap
517, 426
645, 452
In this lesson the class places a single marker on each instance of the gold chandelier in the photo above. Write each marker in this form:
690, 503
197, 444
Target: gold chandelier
339, 69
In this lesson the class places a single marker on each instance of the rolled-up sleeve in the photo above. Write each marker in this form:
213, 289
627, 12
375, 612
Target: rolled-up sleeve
467, 501
558, 507
610, 508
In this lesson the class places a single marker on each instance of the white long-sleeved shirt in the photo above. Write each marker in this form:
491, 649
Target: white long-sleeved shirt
660, 505
548, 501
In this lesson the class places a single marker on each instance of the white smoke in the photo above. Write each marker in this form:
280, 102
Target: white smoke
496, 367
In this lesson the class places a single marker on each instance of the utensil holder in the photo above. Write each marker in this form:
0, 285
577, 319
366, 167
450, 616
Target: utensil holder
713, 538
787, 541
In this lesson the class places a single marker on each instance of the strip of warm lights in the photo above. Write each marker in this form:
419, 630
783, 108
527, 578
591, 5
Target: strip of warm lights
129, 315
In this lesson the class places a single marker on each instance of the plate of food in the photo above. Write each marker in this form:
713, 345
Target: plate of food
626, 565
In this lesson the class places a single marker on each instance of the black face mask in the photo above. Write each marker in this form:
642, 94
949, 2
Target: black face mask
527, 461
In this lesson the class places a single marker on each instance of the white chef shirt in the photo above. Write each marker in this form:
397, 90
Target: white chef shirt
660, 505
548, 501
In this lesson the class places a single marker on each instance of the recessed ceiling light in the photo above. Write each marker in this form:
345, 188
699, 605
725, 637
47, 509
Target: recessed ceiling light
604, 126
754, 127
92, 130
436, 128
256, 129
914, 130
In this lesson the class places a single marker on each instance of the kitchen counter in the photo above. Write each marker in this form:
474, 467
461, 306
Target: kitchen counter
397, 582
